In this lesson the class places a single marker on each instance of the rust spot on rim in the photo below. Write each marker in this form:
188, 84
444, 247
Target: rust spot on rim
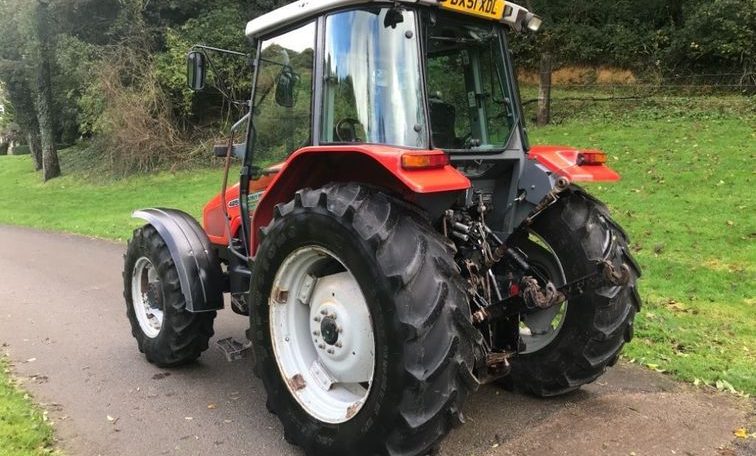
280, 295
296, 382
353, 409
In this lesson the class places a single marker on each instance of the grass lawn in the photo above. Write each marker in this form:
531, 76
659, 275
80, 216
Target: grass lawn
23, 430
84, 206
686, 199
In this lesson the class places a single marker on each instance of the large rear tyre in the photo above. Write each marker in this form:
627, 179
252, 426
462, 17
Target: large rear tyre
571, 346
362, 330
165, 331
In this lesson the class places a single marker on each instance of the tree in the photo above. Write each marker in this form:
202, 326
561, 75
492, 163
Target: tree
50, 163
16, 72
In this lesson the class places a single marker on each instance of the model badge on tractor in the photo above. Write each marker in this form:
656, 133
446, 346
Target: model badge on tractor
393, 239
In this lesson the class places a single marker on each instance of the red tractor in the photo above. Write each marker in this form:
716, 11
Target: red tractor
400, 243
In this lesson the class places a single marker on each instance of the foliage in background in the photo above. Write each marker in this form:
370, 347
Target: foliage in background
6, 116
653, 38
222, 27
717, 36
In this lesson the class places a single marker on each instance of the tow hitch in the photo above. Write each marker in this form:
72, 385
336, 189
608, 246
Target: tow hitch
531, 295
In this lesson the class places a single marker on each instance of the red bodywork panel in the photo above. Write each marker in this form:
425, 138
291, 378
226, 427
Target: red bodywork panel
313, 167
212, 214
562, 160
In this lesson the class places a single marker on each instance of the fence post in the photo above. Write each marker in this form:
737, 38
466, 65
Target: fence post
544, 91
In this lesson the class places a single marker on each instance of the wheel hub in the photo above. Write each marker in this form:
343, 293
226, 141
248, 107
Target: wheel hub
155, 295
329, 331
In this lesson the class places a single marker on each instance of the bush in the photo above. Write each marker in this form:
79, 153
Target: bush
76, 69
716, 37
22, 149
653, 37
136, 125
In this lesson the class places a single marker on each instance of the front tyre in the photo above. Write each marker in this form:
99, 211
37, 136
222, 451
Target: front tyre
362, 329
165, 331
572, 345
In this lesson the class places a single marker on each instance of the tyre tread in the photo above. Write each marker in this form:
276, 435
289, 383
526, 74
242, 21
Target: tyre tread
413, 256
582, 356
184, 335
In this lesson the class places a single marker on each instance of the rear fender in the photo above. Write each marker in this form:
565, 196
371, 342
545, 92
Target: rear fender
562, 160
432, 189
196, 262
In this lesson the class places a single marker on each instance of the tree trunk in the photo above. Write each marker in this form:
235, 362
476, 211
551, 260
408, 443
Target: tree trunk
544, 91
50, 164
35, 147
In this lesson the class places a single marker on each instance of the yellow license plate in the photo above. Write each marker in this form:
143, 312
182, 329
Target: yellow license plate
488, 9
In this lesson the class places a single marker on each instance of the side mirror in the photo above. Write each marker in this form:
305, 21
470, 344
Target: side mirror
195, 70
286, 87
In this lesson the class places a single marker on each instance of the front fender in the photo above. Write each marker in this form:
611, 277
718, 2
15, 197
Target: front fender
196, 262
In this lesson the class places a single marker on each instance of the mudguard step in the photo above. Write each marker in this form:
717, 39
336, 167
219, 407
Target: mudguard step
233, 349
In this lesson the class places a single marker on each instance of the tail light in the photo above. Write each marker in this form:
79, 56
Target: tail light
424, 161
591, 158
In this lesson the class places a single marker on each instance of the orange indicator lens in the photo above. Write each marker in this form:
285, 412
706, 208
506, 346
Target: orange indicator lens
424, 161
591, 158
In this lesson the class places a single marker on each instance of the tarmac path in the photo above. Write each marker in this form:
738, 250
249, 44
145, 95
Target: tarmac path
63, 325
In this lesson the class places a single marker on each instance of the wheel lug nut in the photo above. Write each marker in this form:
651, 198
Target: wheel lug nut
316, 333
338, 329
338, 344
317, 319
323, 312
321, 346
333, 316
330, 351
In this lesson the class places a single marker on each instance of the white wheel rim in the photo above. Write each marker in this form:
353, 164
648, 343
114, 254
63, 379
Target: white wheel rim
148, 309
549, 321
322, 335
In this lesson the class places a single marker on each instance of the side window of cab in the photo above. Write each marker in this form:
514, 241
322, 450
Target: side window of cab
283, 95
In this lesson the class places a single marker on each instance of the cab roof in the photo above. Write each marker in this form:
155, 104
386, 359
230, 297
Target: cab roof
514, 15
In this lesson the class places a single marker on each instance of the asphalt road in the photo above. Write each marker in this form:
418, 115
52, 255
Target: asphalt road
63, 324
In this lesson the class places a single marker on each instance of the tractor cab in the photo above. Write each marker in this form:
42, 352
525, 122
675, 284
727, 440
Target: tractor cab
415, 75
419, 75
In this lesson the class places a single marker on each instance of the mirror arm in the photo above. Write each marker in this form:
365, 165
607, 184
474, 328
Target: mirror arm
222, 51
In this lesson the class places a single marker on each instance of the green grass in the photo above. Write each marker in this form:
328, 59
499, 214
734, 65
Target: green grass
76, 204
686, 199
23, 429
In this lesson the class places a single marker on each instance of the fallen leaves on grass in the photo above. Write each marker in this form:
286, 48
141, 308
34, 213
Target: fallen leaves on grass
724, 385
655, 367
741, 433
